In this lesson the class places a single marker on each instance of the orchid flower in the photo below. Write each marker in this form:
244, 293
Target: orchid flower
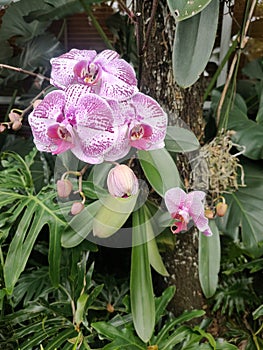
82, 122
141, 122
183, 207
104, 74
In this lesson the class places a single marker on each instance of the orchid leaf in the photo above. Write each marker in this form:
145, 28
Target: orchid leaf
209, 254
153, 252
80, 226
142, 298
160, 170
193, 44
180, 140
112, 214
243, 221
182, 9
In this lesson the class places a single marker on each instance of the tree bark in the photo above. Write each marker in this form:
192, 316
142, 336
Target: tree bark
182, 106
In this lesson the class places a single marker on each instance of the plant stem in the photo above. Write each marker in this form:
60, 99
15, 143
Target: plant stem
96, 24
21, 70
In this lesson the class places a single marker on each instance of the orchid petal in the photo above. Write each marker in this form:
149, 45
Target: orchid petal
62, 73
174, 198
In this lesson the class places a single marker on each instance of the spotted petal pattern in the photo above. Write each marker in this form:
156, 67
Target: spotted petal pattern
115, 78
183, 206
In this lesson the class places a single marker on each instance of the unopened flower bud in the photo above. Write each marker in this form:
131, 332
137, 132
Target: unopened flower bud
110, 308
221, 209
16, 125
122, 181
13, 116
209, 214
76, 208
2, 127
64, 188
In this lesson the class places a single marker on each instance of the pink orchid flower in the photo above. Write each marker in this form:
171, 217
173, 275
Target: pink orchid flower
142, 124
104, 74
184, 207
75, 120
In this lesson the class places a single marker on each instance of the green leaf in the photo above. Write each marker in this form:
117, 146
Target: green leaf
182, 9
162, 302
259, 88
80, 226
112, 215
81, 308
141, 289
14, 24
193, 44
34, 211
247, 132
258, 312
160, 170
122, 338
155, 258
243, 220
179, 139
209, 254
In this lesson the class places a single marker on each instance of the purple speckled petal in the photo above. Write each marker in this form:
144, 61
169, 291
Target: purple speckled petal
94, 128
196, 210
150, 113
114, 88
111, 63
46, 114
73, 95
174, 198
121, 146
62, 73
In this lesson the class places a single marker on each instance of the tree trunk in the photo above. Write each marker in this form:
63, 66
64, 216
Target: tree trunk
182, 106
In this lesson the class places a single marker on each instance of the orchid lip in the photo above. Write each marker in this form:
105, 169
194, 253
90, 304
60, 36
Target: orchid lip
140, 131
89, 73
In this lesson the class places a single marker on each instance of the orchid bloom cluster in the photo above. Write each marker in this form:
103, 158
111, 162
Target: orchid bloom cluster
97, 111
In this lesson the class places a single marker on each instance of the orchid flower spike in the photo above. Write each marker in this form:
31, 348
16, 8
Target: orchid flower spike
183, 207
106, 74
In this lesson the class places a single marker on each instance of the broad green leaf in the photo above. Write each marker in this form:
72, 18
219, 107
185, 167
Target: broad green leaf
160, 170
209, 254
80, 226
34, 211
179, 139
244, 220
122, 338
254, 69
141, 288
112, 214
155, 258
14, 24
175, 338
6, 51
193, 44
182, 9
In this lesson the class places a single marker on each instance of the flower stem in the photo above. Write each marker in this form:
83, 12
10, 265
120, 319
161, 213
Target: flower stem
21, 70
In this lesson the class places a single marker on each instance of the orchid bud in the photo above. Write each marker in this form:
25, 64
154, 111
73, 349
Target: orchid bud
110, 308
16, 125
209, 214
221, 209
2, 128
76, 208
122, 182
64, 188
13, 116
